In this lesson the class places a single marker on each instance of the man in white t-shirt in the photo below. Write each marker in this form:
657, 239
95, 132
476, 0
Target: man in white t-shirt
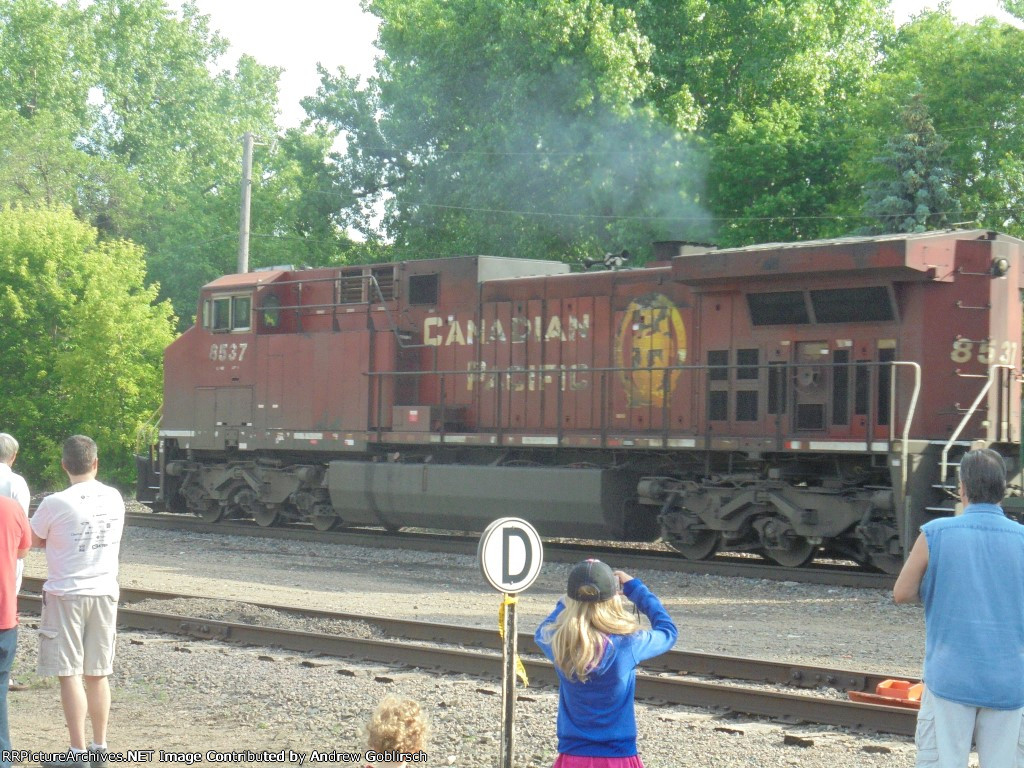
80, 529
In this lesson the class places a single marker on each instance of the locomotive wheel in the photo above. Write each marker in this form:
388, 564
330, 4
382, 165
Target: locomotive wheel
210, 513
891, 564
265, 516
703, 545
325, 522
798, 552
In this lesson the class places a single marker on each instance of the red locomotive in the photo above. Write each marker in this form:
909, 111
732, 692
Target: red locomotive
784, 399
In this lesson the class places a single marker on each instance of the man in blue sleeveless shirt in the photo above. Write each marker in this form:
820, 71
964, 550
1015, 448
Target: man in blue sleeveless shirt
969, 572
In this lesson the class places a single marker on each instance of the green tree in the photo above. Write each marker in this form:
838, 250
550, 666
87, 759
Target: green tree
913, 195
970, 78
509, 127
81, 340
40, 163
772, 84
567, 127
47, 59
299, 196
122, 110
177, 126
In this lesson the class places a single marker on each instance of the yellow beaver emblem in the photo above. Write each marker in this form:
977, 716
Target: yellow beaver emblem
650, 338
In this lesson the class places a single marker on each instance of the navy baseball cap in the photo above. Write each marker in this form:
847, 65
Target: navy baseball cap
592, 582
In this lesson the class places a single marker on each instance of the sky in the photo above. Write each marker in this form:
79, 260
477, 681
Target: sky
298, 34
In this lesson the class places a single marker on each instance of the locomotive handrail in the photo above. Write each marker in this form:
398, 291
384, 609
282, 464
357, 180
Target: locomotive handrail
911, 410
373, 287
387, 313
601, 374
993, 370
644, 369
149, 432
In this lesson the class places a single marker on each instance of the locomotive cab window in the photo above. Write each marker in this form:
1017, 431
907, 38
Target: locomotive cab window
228, 313
271, 312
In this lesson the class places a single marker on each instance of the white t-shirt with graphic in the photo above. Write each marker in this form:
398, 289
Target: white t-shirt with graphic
82, 526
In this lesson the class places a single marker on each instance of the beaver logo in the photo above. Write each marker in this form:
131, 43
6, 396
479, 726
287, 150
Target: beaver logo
650, 339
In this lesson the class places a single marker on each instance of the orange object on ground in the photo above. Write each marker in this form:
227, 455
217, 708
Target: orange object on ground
893, 693
900, 689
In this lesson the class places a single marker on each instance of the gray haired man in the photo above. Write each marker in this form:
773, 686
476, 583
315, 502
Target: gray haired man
969, 573
13, 486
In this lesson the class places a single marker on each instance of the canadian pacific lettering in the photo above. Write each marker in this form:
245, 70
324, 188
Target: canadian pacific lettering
528, 378
520, 329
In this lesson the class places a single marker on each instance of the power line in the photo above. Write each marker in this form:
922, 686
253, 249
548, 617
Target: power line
691, 142
698, 218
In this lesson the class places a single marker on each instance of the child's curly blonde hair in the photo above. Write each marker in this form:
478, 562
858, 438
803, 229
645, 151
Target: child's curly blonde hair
397, 724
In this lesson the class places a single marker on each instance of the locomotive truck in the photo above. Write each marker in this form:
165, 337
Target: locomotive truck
785, 399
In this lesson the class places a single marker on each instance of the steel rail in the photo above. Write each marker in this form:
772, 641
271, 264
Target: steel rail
669, 689
675, 661
560, 552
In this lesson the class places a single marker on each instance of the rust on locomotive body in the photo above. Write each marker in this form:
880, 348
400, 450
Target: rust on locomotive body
784, 399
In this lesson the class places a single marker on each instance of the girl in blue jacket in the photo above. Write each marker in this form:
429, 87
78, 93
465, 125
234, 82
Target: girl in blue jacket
596, 645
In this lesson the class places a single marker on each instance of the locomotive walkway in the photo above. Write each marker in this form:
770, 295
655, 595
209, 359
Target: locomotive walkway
426, 645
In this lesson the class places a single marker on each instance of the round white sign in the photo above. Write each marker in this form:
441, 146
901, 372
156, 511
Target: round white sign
511, 554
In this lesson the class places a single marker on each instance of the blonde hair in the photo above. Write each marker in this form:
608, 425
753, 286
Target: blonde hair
397, 724
578, 636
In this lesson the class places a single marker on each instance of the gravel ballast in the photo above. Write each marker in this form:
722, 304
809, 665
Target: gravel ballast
185, 696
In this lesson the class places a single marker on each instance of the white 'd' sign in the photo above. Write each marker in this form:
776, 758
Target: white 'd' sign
511, 554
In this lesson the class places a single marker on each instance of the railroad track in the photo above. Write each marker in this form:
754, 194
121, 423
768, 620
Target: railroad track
827, 573
443, 646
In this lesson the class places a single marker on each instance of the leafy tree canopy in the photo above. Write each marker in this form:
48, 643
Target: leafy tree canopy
566, 127
121, 110
83, 333
969, 77
515, 128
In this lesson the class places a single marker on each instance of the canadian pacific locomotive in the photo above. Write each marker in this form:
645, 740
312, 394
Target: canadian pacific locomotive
785, 399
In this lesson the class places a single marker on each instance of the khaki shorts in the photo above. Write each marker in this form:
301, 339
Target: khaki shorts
76, 635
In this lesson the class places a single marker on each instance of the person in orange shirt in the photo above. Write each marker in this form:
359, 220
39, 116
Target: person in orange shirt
15, 542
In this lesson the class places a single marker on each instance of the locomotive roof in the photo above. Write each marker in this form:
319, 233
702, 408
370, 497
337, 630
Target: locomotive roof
955, 234
481, 268
246, 279
923, 256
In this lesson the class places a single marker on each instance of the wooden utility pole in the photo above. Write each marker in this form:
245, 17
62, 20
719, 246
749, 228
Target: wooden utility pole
243, 234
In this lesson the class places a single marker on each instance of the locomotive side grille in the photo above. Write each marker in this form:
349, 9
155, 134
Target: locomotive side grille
385, 277
810, 416
350, 287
